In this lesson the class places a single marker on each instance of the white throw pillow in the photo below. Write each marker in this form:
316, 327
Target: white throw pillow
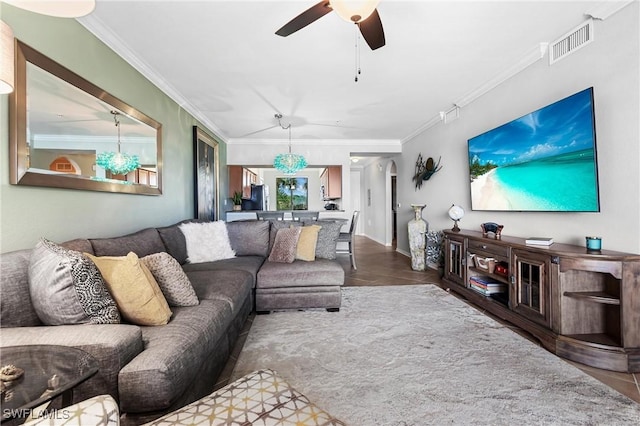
207, 241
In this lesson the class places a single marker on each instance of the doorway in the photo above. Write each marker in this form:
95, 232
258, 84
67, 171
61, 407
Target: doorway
394, 212
391, 222
356, 197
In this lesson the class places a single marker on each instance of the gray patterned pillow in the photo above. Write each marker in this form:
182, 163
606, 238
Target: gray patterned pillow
284, 247
173, 282
66, 287
327, 238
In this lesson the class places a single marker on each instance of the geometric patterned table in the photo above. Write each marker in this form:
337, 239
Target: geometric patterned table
101, 410
259, 398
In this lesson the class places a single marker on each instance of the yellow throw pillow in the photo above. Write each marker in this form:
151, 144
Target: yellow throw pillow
131, 284
306, 249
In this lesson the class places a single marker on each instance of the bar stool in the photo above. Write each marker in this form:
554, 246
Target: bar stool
304, 215
349, 238
270, 215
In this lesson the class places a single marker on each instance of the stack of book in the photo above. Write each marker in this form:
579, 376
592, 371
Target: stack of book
486, 286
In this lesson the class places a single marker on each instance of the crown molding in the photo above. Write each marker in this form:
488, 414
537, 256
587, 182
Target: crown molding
94, 25
603, 10
351, 143
426, 126
532, 56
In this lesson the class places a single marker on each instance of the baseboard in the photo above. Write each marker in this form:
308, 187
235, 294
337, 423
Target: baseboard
403, 252
376, 240
429, 265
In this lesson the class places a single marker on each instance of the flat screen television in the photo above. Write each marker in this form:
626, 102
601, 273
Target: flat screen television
543, 161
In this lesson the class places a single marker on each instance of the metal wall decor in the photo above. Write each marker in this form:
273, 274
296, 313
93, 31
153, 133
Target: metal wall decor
425, 169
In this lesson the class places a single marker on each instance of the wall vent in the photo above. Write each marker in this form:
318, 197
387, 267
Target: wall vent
572, 41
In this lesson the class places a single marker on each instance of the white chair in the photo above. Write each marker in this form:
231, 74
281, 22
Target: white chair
350, 239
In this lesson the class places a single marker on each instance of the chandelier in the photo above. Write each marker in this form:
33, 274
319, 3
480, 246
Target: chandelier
117, 163
59, 8
288, 163
6, 59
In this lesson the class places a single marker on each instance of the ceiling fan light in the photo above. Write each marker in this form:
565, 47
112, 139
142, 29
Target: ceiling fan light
354, 11
6, 59
60, 9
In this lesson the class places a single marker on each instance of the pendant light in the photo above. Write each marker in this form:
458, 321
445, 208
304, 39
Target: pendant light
118, 163
6, 59
58, 8
288, 163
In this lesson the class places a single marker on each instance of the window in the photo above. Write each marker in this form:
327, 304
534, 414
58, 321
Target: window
293, 193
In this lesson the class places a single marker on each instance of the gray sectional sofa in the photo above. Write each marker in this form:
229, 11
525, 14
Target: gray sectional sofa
151, 370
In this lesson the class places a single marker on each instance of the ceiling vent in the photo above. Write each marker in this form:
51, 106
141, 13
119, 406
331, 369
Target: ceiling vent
570, 42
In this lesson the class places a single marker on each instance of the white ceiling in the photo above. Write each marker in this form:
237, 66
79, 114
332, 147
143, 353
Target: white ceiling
222, 61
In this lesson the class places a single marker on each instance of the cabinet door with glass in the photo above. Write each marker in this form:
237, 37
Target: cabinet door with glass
530, 281
454, 259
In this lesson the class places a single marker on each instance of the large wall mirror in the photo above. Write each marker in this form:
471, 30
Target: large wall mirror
65, 132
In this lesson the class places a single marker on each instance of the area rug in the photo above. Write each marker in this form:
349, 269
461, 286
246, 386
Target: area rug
417, 355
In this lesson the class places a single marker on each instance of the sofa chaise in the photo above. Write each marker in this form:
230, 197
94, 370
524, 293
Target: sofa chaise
155, 369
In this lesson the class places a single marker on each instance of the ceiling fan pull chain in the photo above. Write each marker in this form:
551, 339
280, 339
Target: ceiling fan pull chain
115, 119
358, 71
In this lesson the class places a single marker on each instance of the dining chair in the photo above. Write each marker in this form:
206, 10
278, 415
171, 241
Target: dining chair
262, 215
350, 239
304, 215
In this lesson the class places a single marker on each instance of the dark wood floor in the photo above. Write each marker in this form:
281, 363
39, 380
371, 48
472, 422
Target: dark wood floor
382, 265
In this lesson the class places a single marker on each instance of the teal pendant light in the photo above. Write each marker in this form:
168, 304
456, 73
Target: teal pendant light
118, 163
288, 163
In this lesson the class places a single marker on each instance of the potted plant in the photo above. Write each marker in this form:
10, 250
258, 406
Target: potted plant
237, 200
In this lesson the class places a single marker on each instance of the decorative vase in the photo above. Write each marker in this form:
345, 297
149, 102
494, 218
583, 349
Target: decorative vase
237, 207
418, 228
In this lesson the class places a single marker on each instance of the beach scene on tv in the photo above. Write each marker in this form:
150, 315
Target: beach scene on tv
543, 161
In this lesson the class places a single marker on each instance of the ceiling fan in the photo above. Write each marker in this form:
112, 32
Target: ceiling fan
363, 13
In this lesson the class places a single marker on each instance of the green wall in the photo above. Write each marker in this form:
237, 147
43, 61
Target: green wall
29, 213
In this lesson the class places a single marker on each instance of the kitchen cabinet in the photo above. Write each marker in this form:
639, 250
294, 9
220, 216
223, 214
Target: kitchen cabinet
331, 183
240, 180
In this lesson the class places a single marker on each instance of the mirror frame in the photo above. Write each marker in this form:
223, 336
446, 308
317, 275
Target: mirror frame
18, 148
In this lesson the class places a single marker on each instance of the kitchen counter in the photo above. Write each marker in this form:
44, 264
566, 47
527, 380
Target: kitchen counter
233, 215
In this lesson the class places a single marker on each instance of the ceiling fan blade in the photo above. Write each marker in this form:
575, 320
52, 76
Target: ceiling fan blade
305, 18
371, 29
258, 131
